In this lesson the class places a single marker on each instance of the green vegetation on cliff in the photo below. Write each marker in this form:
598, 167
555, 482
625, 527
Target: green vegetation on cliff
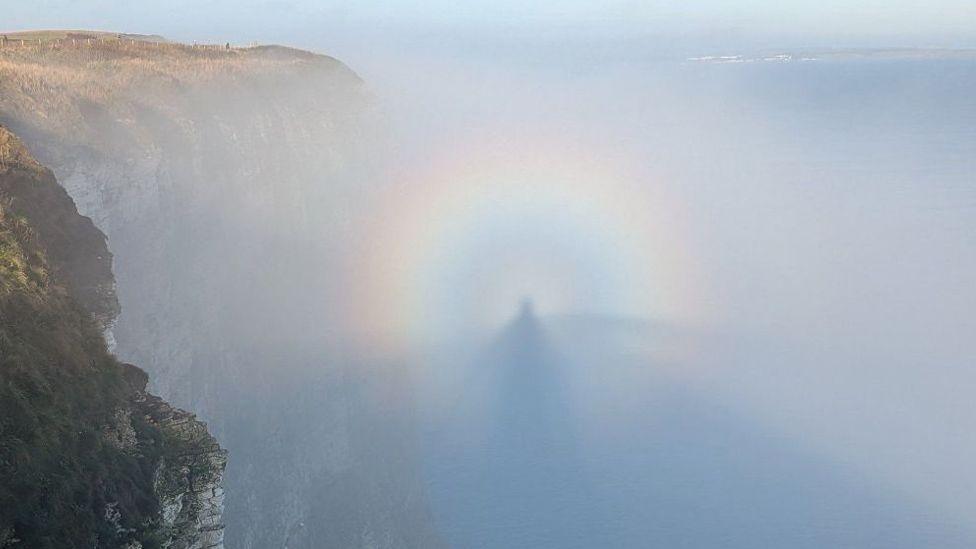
81, 445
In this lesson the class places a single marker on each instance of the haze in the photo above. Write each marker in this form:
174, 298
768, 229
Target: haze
745, 234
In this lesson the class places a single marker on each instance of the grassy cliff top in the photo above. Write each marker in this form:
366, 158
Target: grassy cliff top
107, 57
106, 91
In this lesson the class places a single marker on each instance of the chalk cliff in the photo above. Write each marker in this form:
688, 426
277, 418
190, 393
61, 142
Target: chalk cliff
225, 180
87, 457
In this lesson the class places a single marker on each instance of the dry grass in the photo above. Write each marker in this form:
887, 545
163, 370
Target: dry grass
65, 87
108, 64
13, 153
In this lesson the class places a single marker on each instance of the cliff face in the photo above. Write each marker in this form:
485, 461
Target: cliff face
87, 457
225, 182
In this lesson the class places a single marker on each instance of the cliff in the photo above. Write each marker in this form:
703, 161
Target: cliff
226, 181
87, 457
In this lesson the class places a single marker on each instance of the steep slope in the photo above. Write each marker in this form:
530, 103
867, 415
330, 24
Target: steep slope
225, 180
87, 457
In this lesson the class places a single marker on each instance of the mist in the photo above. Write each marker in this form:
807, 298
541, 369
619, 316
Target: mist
807, 299
591, 278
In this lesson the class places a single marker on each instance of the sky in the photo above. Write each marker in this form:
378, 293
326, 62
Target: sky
701, 23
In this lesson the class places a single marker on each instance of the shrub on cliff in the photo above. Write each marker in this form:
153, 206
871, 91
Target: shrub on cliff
62, 479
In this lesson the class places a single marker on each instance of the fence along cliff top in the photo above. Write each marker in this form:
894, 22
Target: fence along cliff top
69, 38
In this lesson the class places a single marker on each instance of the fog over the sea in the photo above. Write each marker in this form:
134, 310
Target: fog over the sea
814, 226
752, 282
815, 246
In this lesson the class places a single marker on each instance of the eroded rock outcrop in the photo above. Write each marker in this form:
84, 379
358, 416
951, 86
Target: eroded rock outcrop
87, 457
